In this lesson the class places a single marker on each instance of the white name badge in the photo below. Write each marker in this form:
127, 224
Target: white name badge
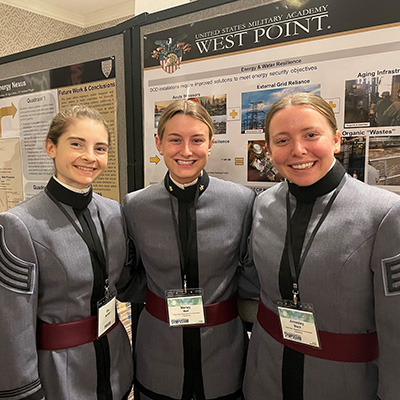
298, 324
185, 308
106, 315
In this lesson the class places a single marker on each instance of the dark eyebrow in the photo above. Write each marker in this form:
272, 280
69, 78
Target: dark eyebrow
84, 140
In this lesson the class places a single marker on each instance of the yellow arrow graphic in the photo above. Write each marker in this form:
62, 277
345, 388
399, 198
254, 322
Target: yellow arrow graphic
7, 111
155, 160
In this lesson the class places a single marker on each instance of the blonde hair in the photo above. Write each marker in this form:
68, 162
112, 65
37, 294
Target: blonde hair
185, 107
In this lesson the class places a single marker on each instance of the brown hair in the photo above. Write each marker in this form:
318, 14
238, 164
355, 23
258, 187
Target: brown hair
65, 118
186, 107
301, 99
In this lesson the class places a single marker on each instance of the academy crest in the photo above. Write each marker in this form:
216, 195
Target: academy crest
170, 52
106, 67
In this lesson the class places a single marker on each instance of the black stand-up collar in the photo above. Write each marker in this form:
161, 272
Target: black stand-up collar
325, 185
78, 201
189, 193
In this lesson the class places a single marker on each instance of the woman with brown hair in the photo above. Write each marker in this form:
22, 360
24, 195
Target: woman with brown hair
61, 254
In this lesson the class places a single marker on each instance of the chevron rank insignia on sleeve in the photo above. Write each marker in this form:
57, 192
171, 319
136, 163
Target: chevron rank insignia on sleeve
391, 275
15, 274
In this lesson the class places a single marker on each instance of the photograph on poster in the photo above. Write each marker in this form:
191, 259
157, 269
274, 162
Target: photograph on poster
259, 165
381, 164
255, 105
215, 105
384, 157
352, 156
372, 101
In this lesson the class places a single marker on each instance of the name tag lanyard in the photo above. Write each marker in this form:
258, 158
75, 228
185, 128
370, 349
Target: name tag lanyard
183, 262
185, 307
295, 271
104, 265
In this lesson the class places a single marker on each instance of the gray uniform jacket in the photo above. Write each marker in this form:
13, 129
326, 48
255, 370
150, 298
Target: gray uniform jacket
46, 273
350, 275
223, 216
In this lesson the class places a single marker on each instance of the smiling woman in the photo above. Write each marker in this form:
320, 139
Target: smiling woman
325, 246
61, 255
184, 139
198, 253
185, 146
80, 154
302, 143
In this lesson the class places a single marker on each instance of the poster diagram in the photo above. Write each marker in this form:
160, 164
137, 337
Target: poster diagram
351, 63
27, 106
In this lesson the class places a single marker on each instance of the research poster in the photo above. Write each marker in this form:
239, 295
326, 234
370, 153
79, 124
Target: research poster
27, 106
10, 174
238, 65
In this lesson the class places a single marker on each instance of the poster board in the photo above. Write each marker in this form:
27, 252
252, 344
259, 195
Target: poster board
33, 89
238, 59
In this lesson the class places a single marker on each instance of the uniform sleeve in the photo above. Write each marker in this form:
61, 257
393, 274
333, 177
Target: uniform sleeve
131, 286
248, 282
19, 376
386, 268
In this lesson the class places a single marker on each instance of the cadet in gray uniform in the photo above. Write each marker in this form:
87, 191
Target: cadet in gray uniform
329, 275
190, 232
61, 254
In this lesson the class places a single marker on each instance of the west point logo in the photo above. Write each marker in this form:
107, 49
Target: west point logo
106, 67
170, 52
287, 25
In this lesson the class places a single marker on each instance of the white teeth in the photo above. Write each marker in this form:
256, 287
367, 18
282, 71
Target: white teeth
303, 166
86, 169
185, 162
